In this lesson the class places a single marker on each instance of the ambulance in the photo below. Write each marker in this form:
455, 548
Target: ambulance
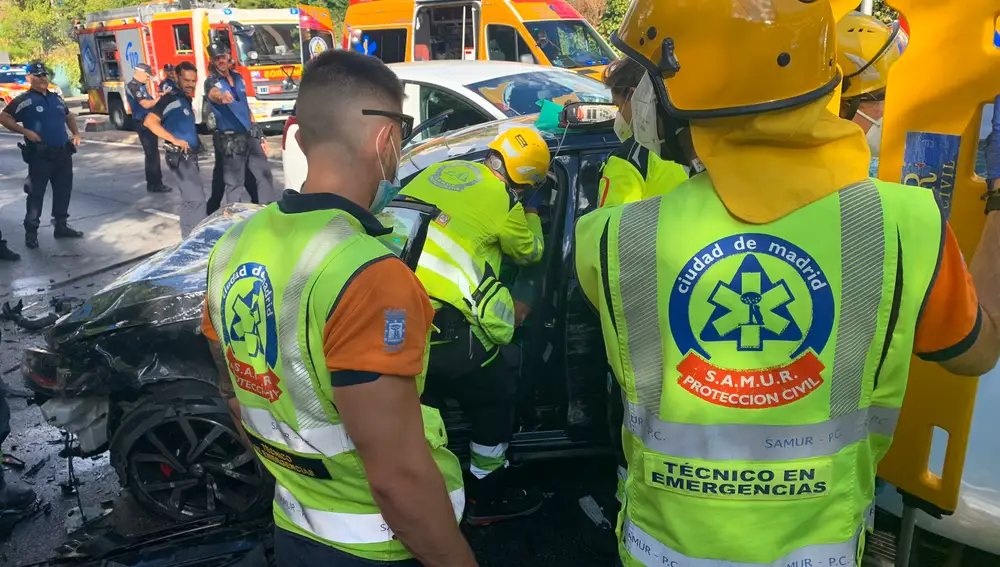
548, 33
269, 47
14, 81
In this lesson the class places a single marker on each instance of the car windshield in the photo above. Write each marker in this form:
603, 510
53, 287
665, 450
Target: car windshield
570, 43
13, 76
518, 95
274, 44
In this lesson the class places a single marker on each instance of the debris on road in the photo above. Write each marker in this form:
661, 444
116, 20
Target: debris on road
14, 314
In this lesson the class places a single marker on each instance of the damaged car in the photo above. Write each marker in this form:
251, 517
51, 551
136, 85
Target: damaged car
130, 372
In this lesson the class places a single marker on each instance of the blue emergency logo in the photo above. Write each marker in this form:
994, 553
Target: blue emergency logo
250, 331
131, 55
750, 314
89, 60
395, 330
366, 46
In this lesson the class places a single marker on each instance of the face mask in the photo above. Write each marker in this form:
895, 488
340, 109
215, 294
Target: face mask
644, 116
622, 128
387, 189
874, 135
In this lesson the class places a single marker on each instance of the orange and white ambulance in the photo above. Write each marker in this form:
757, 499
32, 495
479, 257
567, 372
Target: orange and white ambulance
269, 47
531, 31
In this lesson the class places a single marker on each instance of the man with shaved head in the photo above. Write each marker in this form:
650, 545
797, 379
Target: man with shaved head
320, 335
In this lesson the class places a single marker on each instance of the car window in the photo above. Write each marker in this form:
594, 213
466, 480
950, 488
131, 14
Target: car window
518, 95
504, 43
570, 43
13, 76
434, 101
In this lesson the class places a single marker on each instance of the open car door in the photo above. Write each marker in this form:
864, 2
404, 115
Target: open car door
315, 31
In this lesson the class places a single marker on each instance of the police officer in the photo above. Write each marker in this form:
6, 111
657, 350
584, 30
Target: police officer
169, 82
141, 99
755, 315
632, 172
173, 120
240, 140
482, 218
326, 383
48, 150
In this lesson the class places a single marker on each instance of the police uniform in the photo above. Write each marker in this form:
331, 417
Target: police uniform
235, 142
177, 117
136, 92
50, 161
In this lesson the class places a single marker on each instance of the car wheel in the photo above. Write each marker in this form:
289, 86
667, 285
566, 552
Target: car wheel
180, 456
117, 115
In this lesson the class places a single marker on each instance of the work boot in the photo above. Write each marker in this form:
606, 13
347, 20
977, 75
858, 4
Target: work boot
159, 189
7, 254
15, 497
492, 499
63, 230
31, 239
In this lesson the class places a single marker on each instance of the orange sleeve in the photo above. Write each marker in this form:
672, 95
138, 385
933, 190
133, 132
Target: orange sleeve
379, 326
951, 319
206, 323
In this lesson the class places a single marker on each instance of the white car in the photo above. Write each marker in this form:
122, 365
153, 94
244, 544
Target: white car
475, 92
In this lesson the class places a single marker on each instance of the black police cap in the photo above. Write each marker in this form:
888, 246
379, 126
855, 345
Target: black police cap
37, 69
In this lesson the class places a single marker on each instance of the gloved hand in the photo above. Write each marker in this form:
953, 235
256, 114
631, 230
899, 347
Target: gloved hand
533, 200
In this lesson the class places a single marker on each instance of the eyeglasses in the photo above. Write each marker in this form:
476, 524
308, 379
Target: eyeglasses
405, 120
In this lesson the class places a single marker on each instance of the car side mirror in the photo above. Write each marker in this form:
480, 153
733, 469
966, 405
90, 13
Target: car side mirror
529, 59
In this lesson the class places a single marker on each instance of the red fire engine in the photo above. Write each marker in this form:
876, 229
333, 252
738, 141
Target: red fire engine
269, 47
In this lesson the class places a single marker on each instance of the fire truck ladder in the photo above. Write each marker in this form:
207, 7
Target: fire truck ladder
145, 12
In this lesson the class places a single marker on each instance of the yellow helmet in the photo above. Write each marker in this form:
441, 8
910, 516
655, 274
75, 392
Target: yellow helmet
525, 154
866, 48
733, 58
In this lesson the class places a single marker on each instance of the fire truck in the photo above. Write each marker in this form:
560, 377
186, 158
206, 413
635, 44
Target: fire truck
269, 47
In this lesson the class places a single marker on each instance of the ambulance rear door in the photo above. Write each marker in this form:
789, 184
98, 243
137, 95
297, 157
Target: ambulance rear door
315, 31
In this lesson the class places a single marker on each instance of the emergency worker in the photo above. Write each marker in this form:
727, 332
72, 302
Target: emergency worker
326, 378
760, 317
632, 172
141, 99
240, 140
481, 219
169, 82
866, 50
173, 120
48, 150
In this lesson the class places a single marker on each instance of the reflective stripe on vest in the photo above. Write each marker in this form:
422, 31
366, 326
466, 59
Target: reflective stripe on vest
344, 528
748, 442
328, 440
652, 553
863, 249
462, 270
294, 371
862, 265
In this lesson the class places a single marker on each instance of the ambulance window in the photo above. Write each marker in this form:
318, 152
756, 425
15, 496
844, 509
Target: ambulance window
182, 38
388, 45
504, 43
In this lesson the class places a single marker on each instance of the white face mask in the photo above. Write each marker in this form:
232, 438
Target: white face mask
644, 116
874, 135
622, 128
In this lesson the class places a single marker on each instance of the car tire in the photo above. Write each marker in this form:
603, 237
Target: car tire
180, 456
120, 119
